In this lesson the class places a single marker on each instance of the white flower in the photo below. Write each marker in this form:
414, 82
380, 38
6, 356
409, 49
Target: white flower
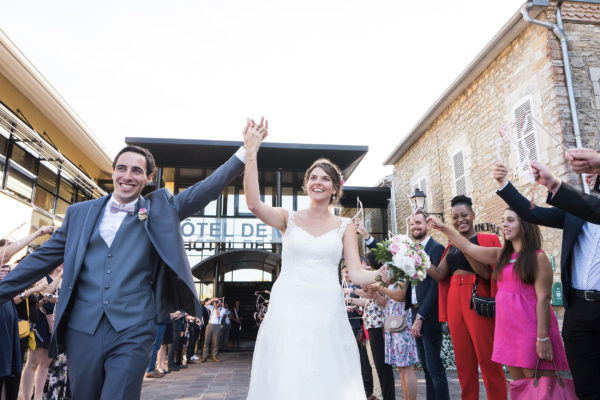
405, 263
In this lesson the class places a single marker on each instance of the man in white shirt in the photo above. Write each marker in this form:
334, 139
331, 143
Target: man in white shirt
213, 330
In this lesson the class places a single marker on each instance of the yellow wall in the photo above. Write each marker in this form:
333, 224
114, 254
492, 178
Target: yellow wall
14, 99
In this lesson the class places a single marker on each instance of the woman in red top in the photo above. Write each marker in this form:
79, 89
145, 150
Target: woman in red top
472, 334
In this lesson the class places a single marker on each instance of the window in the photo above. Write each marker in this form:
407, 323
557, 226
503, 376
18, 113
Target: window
19, 184
525, 134
460, 178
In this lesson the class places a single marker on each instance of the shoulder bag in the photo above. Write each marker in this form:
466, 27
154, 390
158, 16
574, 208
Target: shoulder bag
484, 306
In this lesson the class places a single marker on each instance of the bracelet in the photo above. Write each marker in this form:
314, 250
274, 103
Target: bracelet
544, 339
22, 295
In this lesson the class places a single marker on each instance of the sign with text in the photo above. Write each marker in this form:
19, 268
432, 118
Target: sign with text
228, 230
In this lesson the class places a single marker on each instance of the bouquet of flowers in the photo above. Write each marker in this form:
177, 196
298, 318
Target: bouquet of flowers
406, 259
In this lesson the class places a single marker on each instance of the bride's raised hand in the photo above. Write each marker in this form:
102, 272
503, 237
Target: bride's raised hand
254, 134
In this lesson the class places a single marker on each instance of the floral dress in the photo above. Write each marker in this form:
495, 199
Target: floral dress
400, 348
373, 315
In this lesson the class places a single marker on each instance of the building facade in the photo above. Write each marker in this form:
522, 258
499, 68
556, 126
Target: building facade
516, 85
49, 159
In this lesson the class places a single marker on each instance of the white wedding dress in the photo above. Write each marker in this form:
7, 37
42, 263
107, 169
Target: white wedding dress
305, 347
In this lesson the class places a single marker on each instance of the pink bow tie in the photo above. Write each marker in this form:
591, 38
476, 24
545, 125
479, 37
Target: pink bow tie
118, 207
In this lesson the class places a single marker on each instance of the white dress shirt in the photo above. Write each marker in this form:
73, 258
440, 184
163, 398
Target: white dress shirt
213, 315
111, 222
586, 258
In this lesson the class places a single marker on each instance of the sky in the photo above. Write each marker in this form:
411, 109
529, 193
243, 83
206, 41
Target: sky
343, 72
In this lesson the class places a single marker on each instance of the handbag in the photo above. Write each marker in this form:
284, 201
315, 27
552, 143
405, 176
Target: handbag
24, 326
395, 323
543, 387
484, 306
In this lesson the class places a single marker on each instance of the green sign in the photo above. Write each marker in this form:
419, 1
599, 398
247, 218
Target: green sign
553, 262
557, 295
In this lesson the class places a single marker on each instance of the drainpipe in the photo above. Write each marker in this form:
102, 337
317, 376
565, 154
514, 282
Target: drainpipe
390, 180
559, 31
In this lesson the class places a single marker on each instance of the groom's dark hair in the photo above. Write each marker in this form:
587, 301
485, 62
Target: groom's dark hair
140, 150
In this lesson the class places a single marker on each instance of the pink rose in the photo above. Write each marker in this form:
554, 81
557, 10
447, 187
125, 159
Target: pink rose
415, 276
418, 259
394, 248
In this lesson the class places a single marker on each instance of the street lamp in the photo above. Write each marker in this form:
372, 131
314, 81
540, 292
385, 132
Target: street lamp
418, 198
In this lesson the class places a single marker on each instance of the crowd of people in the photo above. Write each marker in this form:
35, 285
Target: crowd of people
524, 335
111, 325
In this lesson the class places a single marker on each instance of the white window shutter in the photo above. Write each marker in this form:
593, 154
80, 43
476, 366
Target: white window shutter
524, 126
460, 178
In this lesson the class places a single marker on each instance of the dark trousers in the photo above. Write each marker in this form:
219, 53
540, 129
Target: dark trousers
202, 334
175, 349
10, 384
191, 349
581, 335
429, 347
365, 366
385, 372
235, 333
109, 364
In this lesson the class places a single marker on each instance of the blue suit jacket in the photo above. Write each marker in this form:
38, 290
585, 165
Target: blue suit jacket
552, 217
174, 285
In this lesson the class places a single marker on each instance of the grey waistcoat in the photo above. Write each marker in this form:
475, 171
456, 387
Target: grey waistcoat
116, 281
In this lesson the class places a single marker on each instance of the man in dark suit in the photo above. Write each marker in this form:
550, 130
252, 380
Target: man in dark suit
125, 267
579, 264
426, 328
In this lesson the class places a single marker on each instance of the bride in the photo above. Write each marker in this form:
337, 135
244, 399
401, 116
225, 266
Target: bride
305, 348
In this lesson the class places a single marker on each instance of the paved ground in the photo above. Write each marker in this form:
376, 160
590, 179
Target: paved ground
229, 379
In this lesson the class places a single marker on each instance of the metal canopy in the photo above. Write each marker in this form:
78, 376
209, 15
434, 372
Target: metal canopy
210, 154
232, 260
370, 197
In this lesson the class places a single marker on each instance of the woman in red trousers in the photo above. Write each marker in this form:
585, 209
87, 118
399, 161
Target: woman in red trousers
472, 335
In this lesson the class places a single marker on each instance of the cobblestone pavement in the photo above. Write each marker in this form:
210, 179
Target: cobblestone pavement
229, 379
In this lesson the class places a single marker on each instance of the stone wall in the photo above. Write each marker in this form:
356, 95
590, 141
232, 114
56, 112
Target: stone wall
526, 69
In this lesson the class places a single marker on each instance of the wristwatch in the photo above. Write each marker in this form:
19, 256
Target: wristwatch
418, 317
22, 295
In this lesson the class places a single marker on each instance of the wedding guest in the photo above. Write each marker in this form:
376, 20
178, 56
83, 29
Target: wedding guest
10, 352
205, 315
35, 370
354, 311
225, 327
423, 300
524, 277
194, 329
213, 330
579, 272
177, 321
374, 317
236, 324
472, 334
400, 347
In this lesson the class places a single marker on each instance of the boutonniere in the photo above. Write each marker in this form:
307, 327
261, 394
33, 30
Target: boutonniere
142, 214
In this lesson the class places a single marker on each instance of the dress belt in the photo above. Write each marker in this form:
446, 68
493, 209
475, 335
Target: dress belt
588, 295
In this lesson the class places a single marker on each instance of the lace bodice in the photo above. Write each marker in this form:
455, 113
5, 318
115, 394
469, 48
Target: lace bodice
306, 256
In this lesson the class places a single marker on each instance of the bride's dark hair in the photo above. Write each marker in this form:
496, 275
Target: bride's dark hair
330, 169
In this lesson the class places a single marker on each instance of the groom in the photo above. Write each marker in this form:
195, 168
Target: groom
124, 268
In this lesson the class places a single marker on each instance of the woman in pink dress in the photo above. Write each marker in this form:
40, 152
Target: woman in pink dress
526, 327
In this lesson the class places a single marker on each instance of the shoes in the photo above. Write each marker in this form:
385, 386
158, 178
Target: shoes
215, 359
173, 368
154, 374
190, 362
182, 366
194, 358
164, 372
372, 397
203, 360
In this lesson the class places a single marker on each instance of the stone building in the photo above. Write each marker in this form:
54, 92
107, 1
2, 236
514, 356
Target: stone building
520, 72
